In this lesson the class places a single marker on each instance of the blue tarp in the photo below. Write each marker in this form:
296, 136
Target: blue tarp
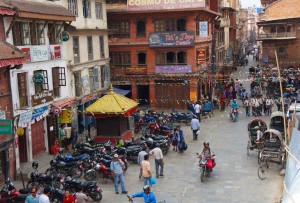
259, 10
121, 91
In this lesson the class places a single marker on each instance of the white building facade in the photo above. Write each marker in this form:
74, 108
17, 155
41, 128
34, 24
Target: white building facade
41, 83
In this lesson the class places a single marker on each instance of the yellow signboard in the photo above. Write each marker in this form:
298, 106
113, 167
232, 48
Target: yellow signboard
66, 116
193, 96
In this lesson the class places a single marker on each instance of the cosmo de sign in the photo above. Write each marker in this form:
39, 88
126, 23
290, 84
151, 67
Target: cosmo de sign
152, 5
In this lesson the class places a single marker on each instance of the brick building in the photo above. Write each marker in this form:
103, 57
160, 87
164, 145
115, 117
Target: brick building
160, 51
10, 57
278, 29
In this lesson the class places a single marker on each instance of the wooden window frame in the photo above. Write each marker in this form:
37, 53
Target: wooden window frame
161, 58
55, 81
78, 83
103, 75
43, 86
86, 7
55, 35
76, 58
90, 48
141, 34
101, 44
141, 52
121, 29
22, 89
99, 10
72, 6
120, 58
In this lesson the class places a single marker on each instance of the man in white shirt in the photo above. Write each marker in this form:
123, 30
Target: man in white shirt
44, 198
247, 104
269, 105
195, 126
159, 162
259, 134
197, 108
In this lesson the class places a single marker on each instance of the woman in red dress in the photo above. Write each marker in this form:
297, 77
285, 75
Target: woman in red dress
68, 198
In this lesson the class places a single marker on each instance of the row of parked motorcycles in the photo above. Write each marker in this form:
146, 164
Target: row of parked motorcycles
90, 160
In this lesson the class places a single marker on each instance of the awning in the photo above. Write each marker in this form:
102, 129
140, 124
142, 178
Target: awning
63, 102
10, 55
6, 12
41, 10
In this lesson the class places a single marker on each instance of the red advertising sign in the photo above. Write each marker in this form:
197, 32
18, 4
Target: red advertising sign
153, 5
201, 55
136, 71
26, 51
57, 54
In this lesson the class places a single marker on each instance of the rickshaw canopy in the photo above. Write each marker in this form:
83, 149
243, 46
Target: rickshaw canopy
272, 132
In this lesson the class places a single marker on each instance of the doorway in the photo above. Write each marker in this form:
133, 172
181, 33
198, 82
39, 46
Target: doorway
143, 95
23, 148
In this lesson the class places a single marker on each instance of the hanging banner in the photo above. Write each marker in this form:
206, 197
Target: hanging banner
38, 114
136, 70
24, 119
201, 55
203, 29
66, 116
174, 69
138, 5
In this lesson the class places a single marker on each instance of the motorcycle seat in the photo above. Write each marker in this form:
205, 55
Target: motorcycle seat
24, 191
62, 164
105, 161
89, 183
21, 198
133, 148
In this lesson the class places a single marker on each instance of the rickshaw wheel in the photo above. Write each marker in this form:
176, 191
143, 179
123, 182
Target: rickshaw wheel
263, 170
259, 159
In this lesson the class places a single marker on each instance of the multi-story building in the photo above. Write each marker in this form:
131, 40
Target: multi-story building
242, 34
36, 29
10, 57
158, 50
279, 30
266, 3
87, 55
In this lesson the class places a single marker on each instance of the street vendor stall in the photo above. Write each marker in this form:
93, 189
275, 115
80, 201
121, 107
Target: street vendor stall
111, 112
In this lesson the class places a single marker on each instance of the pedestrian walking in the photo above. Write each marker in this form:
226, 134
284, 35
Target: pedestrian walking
247, 104
159, 161
222, 102
117, 168
62, 137
269, 104
68, 198
197, 108
180, 138
195, 126
80, 196
141, 156
33, 197
44, 198
146, 170
264, 105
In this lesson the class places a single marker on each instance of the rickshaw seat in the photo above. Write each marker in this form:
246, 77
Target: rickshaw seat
273, 145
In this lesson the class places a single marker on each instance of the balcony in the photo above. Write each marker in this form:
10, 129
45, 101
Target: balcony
225, 5
225, 22
277, 36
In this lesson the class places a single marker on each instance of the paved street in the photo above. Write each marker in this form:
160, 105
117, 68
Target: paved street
234, 179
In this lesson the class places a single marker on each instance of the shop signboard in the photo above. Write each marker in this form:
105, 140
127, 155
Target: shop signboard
55, 52
203, 29
39, 53
171, 39
154, 5
201, 55
174, 69
136, 70
26, 51
5, 126
42, 98
66, 116
39, 113
25, 118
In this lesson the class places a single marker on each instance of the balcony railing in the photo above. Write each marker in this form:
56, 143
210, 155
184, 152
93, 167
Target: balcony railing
279, 35
227, 5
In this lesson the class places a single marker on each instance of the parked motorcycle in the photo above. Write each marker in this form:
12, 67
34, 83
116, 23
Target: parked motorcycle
70, 158
11, 195
177, 117
164, 145
103, 171
74, 168
90, 188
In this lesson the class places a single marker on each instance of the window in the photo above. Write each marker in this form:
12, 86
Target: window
78, 83
37, 36
170, 25
175, 58
22, 88
281, 50
103, 75
90, 48
101, 44
120, 58
94, 79
273, 29
72, 6
58, 79
99, 10
43, 86
141, 29
76, 50
55, 31
119, 29
142, 58
86, 5
21, 33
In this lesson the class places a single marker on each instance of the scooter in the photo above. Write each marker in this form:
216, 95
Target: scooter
234, 114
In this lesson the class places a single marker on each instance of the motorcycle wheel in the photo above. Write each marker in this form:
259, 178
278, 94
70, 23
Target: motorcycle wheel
75, 172
96, 196
90, 176
32, 184
165, 151
202, 175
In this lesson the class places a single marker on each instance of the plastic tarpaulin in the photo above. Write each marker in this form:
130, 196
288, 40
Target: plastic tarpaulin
121, 91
